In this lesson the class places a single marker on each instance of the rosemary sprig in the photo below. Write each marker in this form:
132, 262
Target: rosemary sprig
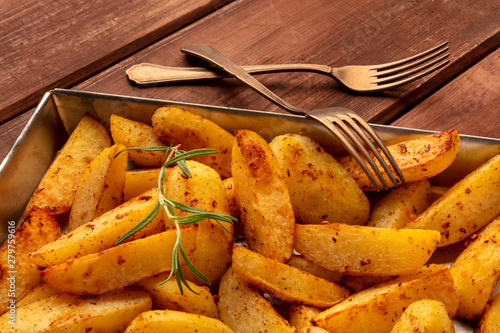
168, 206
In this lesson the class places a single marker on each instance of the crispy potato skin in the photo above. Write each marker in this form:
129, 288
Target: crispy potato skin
320, 188
426, 315
489, 320
56, 191
466, 207
262, 197
132, 133
36, 229
476, 271
193, 131
362, 250
418, 159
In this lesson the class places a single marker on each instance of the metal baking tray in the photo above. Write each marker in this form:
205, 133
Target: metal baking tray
59, 111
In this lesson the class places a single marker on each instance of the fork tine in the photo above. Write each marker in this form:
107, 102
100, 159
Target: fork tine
412, 78
412, 64
411, 71
406, 60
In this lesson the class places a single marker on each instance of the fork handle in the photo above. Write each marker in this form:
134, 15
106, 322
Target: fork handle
147, 73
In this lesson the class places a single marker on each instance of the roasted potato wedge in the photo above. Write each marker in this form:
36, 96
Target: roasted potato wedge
476, 271
132, 133
245, 310
285, 282
43, 290
56, 191
376, 309
301, 316
166, 295
362, 250
18, 276
426, 315
102, 232
101, 186
176, 322
138, 181
262, 197
489, 322
193, 131
308, 266
119, 266
401, 205
111, 312
320, 188
466, 207
418, 159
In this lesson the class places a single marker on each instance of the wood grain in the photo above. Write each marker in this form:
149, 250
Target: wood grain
48, 44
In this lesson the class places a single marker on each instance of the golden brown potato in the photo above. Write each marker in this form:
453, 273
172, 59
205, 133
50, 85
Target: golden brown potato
233, 206
320, 188
376, 309
111, 312
357, 283
426, 315
401, 205
466, 207
138, 181
43, 290
167, 296
56, 191
18, 276
262, 197
476, 271
308, 266
362, 250
245, 310
100, 188
418, 159
119, 266
193, 131
204, 190
175, 322
301, 316
489, 322
132, 133
285, 282
102, 232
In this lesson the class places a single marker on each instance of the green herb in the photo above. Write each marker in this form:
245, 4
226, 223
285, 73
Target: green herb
175, 155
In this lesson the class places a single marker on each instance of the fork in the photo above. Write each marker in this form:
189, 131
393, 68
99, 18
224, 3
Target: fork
369, 78
349, 127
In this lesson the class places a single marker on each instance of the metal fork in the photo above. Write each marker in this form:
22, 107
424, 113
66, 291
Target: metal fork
369, 78
350, 128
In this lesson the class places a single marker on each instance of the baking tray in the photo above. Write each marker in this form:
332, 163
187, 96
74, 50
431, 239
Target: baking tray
60, 110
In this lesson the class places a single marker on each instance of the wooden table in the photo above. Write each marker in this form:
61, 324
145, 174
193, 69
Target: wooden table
88, 46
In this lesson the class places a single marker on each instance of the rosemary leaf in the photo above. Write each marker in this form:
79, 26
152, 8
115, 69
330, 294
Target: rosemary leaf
140, 225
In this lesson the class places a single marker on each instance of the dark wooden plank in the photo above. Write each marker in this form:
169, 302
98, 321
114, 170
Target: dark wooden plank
324, 32
47, 44
470, 103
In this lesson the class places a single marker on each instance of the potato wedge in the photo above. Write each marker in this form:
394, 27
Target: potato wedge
18, 276
56, 191
357, 283
262, 196
132, 133
401, 205
138, 181
489, 321
205, 191
175, 322
301, 316
285, 282
119, 266
100, 188
320, 188
308, 266
426, 315
101, 233
111, 312
476, 271
43, 290
362, 250
245, 310
376, 309
167, 296
193, 131
466, 207
233, 206
418, 159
